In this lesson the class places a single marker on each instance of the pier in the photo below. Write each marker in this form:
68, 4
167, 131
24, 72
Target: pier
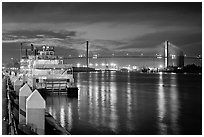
10, 113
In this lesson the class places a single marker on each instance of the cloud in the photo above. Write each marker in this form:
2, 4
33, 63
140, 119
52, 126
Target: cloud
104, 37
110, 27
185, 40
39, 33
68, 43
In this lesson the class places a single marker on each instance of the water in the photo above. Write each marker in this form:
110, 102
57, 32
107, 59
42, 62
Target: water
131, 103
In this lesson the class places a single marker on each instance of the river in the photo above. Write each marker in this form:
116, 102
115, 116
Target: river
111, 103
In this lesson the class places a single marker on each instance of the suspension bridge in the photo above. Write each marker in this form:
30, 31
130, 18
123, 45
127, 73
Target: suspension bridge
168, 52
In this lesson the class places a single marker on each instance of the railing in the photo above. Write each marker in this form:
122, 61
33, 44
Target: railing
11, 120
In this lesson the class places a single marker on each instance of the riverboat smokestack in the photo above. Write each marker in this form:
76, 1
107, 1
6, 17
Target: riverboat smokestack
32, 47
21, 52
36, 52
87, 54
26, 52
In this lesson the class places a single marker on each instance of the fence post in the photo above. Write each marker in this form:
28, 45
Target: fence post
24, 92
35, 112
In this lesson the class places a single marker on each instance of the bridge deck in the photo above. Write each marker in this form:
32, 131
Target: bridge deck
129, 56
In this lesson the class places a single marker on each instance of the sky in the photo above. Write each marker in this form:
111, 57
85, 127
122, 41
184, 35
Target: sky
111, 28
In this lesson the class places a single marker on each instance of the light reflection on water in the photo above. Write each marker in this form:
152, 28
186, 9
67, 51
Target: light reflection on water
113, 111
129, 107
69, 119
125, 103
62, 115
161, 107
175, 105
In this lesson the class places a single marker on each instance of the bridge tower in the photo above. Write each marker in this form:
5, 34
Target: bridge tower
173, 56
87, 54
166, 54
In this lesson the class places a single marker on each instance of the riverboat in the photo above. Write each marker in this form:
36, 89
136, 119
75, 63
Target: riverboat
45, 71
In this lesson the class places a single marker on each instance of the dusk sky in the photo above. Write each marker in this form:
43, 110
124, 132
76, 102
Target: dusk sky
118, 28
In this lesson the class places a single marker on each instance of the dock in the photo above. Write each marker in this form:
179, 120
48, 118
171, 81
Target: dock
4, 108
10, 113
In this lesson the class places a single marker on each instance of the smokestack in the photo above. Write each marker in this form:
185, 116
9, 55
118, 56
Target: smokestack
32, 47
36, 51
26, 52
87, 54
21, 52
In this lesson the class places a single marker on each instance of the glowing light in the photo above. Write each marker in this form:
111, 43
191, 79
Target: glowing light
96, 64
78, 64
160, 66
102, 64
95, 56
160, 73
134, 67
90, 64
112, 64
173, 56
